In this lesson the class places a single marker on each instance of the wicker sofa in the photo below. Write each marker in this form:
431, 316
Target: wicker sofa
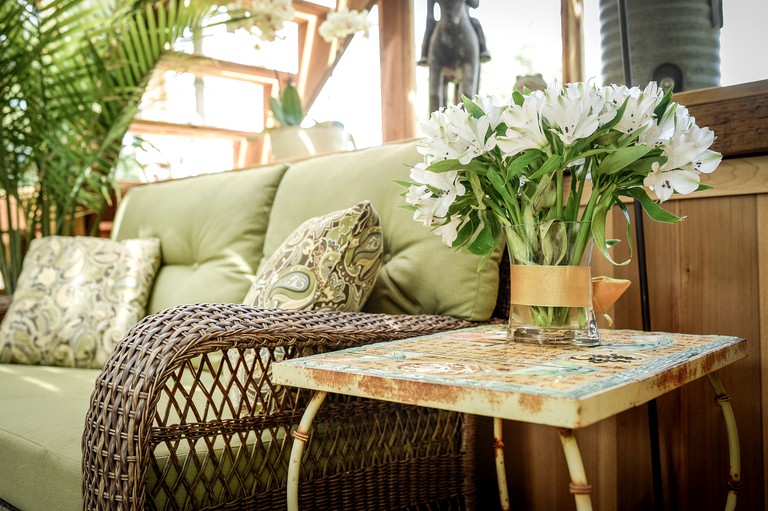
160, 430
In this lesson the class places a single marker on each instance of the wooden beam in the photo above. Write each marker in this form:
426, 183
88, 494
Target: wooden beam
398, 69
571, 19
206, 66
148, 127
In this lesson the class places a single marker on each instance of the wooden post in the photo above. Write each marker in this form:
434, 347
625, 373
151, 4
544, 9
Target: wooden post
398, 69
571, 17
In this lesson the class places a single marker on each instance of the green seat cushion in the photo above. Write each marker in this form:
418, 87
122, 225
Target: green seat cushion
211, 230
42, 414
419, 274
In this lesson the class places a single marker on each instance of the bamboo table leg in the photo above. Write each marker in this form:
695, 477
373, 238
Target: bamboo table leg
580, 489
501, 474
300, 437
734, 450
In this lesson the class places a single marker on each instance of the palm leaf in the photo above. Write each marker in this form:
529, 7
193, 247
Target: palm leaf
71, 78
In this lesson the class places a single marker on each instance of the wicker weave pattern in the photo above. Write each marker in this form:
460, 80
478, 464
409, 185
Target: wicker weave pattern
161, 411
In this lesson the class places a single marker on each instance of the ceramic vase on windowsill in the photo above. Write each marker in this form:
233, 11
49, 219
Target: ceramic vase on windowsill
296, 142
551, 284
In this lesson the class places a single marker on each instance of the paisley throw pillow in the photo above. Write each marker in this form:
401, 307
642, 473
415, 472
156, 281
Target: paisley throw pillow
327, 263
76, 298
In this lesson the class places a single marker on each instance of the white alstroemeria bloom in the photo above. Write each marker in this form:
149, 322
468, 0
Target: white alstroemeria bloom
661, 130
706, 162
447, 183
639, 110
573, 112
420, 197
448, 231
493, 109
470, 134
524, 128
453, 134
688, 148
664, 183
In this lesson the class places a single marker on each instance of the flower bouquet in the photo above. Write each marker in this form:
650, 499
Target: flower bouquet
542, 171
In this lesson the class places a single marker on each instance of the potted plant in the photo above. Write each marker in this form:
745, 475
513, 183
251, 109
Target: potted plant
73, 75
288, 139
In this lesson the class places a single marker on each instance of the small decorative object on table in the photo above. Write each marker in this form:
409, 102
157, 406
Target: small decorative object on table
542, 171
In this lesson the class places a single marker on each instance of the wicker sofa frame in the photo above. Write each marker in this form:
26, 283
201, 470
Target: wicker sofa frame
147, 419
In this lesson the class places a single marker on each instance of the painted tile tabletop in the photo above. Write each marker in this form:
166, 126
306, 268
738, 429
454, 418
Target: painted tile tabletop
477, 371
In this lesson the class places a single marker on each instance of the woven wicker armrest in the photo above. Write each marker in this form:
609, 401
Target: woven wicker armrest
167, 390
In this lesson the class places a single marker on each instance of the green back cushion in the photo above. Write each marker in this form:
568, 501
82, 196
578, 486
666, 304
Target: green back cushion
211, 230
419, 274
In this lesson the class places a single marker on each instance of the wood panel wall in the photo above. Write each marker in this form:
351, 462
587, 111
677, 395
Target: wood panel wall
708, 275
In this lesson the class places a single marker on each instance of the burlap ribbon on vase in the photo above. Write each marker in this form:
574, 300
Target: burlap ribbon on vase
564, 286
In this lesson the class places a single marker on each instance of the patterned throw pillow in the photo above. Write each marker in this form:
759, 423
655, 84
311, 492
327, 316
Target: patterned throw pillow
76, 298
327, 263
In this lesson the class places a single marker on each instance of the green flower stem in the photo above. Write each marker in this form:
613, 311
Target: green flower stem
585, 228
559, 185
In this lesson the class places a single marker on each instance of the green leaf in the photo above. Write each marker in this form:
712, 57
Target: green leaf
484, 242
598, 234
499, 185
292, 109
654, 211
472, 107
663, 104
444, 166
553, 162
621, 158
277, 110
521, 162
466, 231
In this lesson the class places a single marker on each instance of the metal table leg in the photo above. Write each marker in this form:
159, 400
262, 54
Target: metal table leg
734, 450
580, 489
501, 474
300, 437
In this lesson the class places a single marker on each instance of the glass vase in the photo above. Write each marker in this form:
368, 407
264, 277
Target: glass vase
551, 284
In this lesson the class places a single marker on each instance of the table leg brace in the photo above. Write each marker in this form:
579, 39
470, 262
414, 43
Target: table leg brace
300, 437
580, 489
734, 450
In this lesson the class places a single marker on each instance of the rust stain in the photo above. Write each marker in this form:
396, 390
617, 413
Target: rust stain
531, 403
409, 391
332, 379
675, 378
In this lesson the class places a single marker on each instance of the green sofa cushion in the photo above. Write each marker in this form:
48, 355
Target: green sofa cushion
419, 274
42, 413
211, 230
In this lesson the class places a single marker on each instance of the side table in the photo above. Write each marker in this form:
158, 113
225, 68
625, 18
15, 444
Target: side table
477, 371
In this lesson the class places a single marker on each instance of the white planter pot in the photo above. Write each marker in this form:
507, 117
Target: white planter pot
296, 142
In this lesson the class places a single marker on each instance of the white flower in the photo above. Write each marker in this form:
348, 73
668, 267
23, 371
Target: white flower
344, 23
573, 112
524, 129
264, 18
433, 193
449, 230
664, 183
688, 148
493, 109
661, 130
640, 106
453, 134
